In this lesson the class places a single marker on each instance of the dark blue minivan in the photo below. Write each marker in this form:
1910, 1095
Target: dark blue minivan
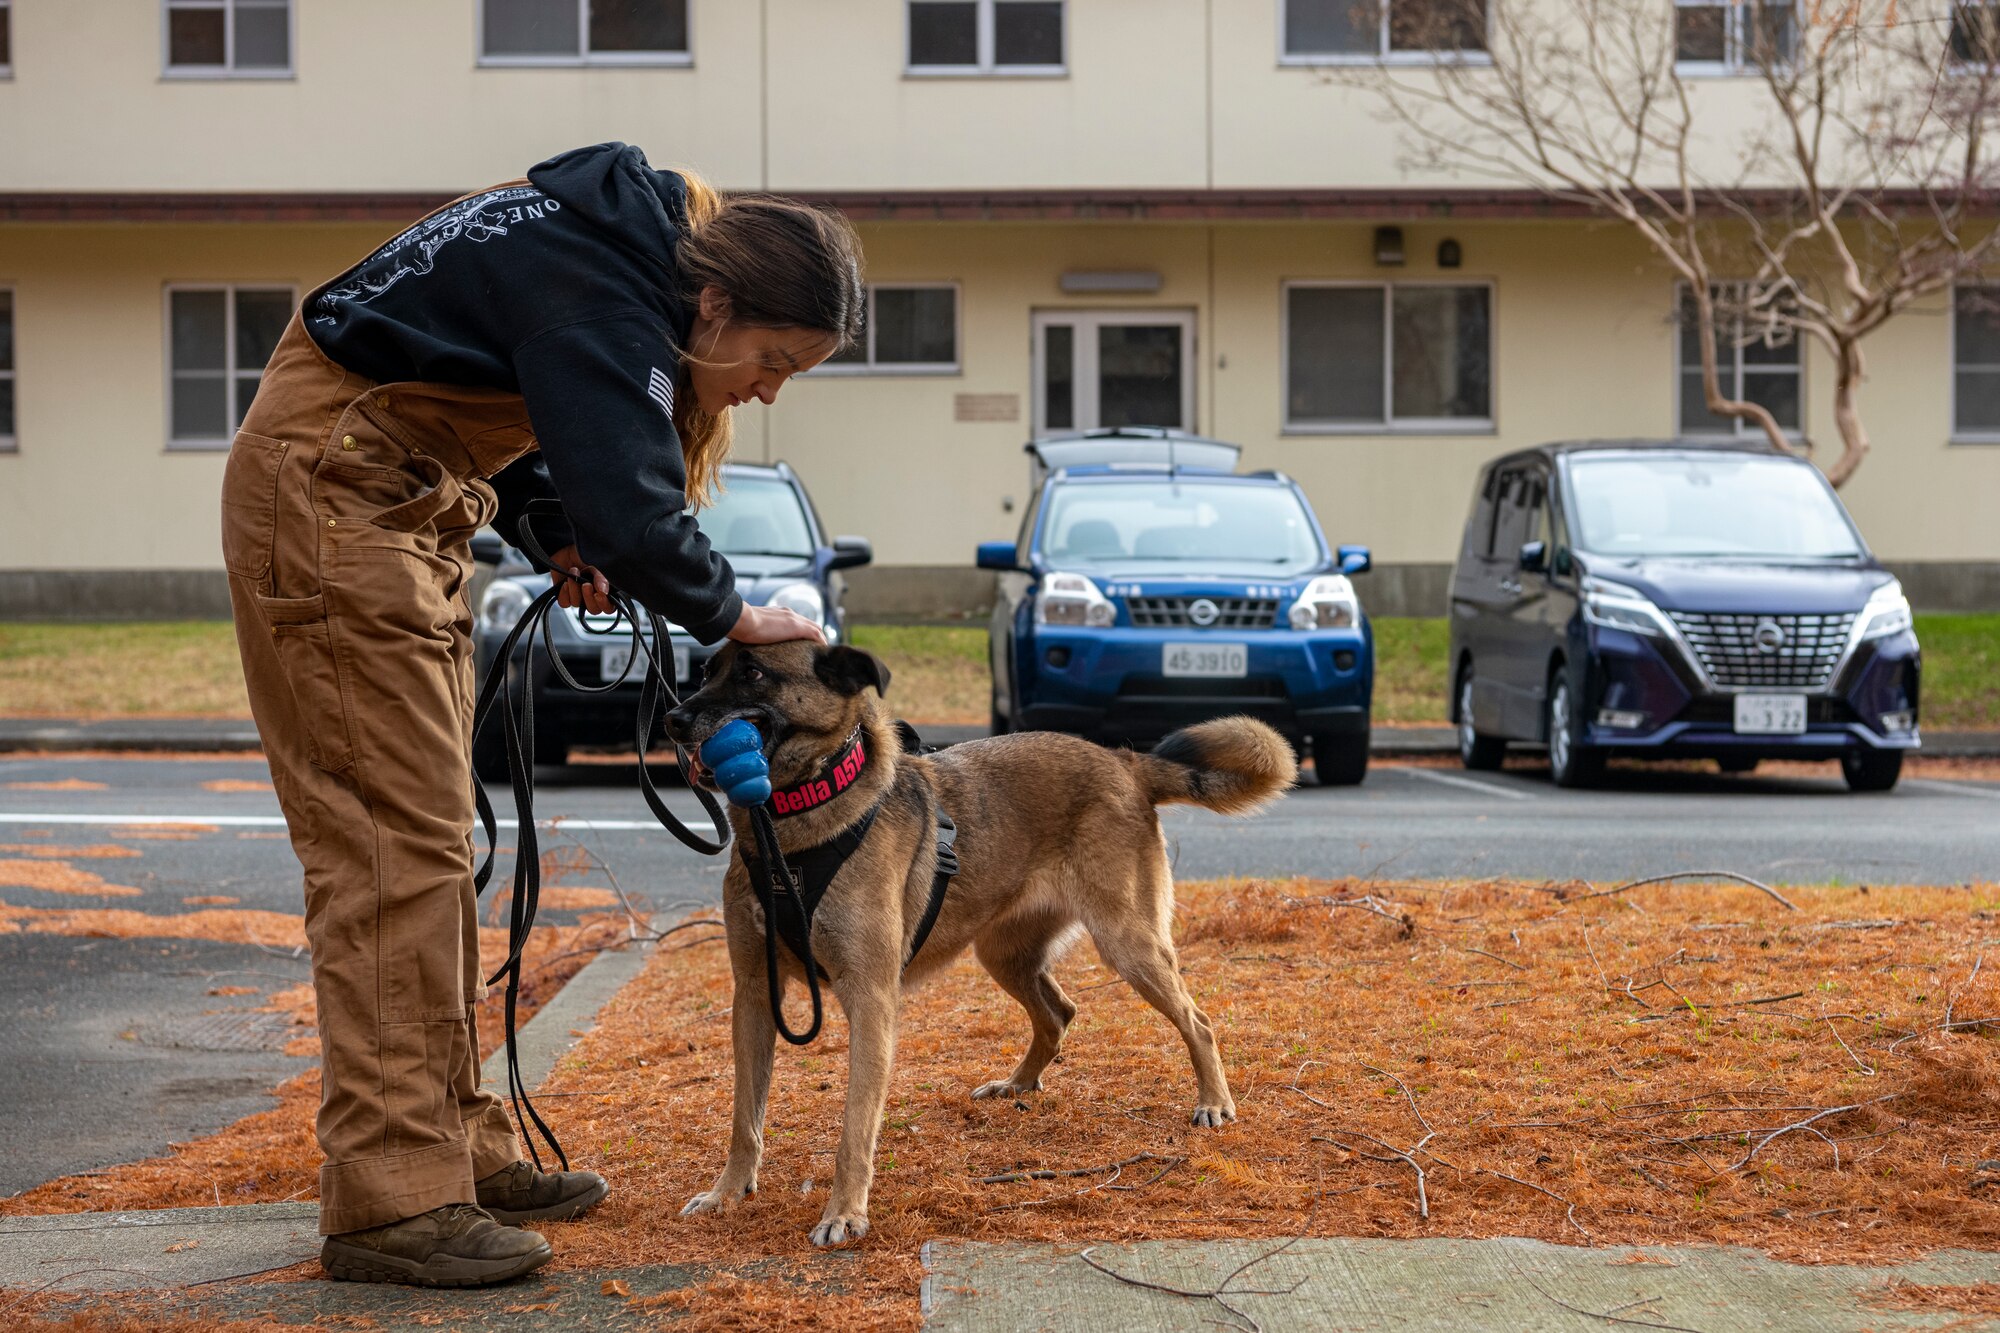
1676, 599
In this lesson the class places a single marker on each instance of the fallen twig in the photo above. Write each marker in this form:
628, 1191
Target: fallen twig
1015, 1177
1569, 1208
1759, 885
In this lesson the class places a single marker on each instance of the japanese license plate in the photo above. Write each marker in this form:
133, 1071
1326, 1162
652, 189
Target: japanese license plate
1770, 714
615, 657
1205, 659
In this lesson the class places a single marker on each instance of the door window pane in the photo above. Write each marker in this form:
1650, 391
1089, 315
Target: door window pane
263, 37
531, 28
638, 25
1028, 32
199, 322
1441, 349
916, 326
1336, 349
1332, 27
944, 32
197, 36
1139, 375
1059, 376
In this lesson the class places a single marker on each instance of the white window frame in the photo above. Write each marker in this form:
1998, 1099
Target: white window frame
879, 369
1727, 347
1391, 424
1959, 434
1382, 54
1733, 64
231, 372
227, 69
985, 68
10, 441
7, 19
1086, 405
584, 56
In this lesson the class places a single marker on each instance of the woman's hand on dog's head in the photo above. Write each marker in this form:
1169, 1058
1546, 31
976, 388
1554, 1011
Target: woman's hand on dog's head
773, 624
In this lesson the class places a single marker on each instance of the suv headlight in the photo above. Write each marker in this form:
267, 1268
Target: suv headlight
803, 598
1615, 606
1887, 612
503, 606
1072, 599
1327, 603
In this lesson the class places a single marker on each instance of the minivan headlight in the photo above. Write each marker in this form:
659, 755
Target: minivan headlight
1327, 603
1887, 612
803, 598
503, 606
1615, 606
1072, 599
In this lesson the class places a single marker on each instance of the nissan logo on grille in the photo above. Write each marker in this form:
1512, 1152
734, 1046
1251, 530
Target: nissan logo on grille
1203, 612
1769, 636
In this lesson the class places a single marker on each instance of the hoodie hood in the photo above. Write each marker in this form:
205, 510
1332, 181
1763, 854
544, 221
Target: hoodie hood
613, 187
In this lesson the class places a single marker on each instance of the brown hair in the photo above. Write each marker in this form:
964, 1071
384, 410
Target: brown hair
782, 264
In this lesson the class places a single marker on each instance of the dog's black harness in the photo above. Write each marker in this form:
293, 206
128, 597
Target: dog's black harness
789, 906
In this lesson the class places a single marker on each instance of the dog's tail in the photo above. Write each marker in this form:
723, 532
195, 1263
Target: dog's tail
1231, 765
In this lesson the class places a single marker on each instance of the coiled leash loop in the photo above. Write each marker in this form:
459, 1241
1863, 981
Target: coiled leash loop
658, 685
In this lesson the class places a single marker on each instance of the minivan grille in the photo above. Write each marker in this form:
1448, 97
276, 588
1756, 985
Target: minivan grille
1729, 648
1231, 612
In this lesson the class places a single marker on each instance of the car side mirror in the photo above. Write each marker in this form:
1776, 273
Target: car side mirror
998, 555
487, 548
1534, 557
851, 553
1355, 560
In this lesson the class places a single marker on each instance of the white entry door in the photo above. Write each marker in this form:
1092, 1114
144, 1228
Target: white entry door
1097, 368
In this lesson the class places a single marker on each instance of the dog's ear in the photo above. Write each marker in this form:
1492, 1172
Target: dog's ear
850, 670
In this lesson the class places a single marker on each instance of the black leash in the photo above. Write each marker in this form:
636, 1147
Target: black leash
777, 875
520, 733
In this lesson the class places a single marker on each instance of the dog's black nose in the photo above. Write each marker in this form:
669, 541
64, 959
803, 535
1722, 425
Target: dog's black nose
679, 720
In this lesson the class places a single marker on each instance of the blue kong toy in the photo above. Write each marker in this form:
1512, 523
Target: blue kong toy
735, 755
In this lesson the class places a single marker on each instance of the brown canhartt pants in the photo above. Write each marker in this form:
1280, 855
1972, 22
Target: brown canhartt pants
346, 512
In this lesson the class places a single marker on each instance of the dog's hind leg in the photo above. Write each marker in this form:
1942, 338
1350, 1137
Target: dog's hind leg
1016, 951
753, 1037
1136, 941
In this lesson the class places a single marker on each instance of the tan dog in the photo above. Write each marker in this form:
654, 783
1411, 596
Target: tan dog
1054, 833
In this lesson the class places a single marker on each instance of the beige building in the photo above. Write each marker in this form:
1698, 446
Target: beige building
1076, 212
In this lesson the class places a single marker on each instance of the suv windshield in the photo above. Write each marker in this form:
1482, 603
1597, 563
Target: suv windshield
1179, 522
758, 516
1721, 505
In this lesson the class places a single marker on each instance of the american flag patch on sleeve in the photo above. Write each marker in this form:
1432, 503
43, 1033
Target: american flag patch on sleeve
661, 390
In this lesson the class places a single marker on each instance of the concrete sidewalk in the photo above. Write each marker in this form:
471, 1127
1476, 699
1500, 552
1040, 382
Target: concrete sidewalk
168, 734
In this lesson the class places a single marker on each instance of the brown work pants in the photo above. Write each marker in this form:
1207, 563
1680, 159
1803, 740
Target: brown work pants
346, 512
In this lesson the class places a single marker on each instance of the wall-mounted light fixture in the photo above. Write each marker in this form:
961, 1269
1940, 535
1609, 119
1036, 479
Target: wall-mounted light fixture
1449, 255
1126, 281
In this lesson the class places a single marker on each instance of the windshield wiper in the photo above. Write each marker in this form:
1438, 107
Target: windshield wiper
790, 555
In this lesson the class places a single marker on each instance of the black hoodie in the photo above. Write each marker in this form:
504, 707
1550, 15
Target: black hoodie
563, 290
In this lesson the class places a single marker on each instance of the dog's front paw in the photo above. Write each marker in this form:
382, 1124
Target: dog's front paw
839, 1229
1004, 1087
712, 1201
1213, 1117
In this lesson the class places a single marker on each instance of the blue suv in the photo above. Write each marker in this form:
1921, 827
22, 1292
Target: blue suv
1676, 599
1153, 586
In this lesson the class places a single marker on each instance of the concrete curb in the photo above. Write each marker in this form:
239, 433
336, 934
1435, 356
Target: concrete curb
177, 1247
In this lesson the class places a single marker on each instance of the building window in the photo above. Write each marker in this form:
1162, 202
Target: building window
6, 39
229, 38
986, 37
1733, 36
218, 340
1332, 31
1762, 369
1975, 362
1975, 32
584, 32
1414, 357
912, 329
7, 437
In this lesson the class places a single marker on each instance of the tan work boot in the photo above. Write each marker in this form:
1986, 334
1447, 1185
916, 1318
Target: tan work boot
457, 1245
519, 1193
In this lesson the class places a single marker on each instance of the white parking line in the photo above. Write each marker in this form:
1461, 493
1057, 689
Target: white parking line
1470, 784
1955, 788
278, 821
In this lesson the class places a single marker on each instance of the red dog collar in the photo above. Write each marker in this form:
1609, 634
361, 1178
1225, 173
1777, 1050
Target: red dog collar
835, 777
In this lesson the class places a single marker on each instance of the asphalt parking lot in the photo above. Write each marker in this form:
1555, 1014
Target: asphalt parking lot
107, 1072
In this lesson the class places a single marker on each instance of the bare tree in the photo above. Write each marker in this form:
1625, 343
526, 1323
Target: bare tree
1848, 173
